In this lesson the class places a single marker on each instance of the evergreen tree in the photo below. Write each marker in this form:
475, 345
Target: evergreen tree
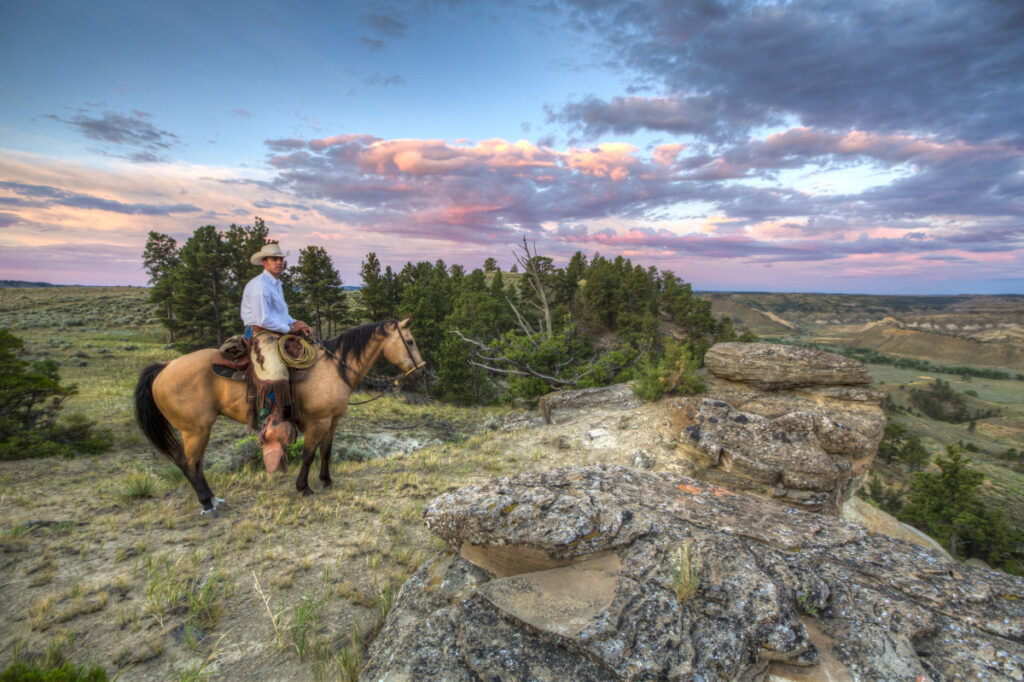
491, 265
31, 399
946, 506
160, 258
240, 243
379, 291
202, 289
319, 286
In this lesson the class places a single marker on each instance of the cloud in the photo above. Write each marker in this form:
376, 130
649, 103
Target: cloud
242, 113
145, 143
701, 115
386, 24
495, 190
41, 196
934, 67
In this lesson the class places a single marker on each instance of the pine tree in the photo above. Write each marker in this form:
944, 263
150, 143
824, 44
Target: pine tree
319, 286
946, 506
31, 399
160, 259
202, 289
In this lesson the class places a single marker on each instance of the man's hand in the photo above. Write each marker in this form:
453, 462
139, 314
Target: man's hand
300, 327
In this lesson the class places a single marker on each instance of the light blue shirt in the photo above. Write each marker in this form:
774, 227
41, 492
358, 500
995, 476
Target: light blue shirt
263, 304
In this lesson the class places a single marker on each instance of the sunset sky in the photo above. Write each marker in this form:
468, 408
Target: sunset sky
806, 145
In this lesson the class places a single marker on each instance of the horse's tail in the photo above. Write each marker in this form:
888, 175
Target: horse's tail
152, 422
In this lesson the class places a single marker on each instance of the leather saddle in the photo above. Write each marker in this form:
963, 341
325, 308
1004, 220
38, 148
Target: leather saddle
229, 369
232, 359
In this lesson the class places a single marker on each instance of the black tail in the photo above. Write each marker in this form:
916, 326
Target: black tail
156, 427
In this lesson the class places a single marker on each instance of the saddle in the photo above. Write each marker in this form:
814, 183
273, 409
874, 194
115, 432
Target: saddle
232, 359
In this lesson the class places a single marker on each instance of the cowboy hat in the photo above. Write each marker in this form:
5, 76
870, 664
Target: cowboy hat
269, 250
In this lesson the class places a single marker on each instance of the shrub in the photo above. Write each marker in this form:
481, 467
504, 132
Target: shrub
19, 671
31, 398
675, 372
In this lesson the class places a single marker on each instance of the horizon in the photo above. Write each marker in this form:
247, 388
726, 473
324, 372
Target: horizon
749, 146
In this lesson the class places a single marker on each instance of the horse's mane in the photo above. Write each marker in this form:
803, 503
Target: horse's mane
352, 343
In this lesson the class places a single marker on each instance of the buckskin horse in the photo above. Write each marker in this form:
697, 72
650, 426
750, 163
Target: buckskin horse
186, 395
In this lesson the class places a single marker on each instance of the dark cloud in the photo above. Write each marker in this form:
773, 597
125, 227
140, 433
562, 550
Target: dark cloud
385, 24
941, 67
8, 219
144, 142
701, 115
42, 196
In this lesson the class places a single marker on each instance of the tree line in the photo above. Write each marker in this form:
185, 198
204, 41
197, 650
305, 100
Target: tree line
487, 335
197, 287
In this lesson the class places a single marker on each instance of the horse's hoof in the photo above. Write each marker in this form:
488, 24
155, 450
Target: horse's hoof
307, 491
218, 502
327, 483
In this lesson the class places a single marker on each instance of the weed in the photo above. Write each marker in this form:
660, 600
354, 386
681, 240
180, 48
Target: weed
275, 619
136, 486
303, 623
350, 660
205, 600
684, 570
172, 477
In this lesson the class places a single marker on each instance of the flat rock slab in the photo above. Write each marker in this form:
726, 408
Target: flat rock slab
631, 575
773, 366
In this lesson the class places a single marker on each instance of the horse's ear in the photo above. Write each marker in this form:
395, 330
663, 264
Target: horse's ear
405, 322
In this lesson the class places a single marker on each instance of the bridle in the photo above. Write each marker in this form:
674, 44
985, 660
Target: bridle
408, 351
397, 383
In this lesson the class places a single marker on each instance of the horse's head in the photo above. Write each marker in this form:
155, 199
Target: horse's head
400, 348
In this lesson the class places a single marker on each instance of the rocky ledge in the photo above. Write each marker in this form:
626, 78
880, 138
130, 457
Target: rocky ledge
795, 424
609, 573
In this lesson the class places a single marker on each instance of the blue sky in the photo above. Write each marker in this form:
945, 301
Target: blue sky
791, 146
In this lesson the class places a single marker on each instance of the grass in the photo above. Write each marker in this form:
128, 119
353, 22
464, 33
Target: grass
684, 572
329, 566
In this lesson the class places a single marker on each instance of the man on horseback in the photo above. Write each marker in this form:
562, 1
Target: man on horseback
265, 315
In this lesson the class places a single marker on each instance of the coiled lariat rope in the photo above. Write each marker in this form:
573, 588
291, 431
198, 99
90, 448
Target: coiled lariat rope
305, 360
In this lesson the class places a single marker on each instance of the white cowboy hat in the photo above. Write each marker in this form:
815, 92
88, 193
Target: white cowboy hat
269, 250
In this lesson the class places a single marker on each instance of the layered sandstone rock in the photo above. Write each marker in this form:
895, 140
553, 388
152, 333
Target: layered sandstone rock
609, 573
795, 423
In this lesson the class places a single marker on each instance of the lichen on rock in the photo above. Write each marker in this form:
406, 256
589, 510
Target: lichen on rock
778, 590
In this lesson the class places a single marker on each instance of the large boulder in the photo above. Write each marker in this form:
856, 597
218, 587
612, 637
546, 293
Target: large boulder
772, 366
608, 573
793, 423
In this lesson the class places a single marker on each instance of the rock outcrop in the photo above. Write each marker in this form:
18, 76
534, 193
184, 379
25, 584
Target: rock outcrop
609, 573
792, 423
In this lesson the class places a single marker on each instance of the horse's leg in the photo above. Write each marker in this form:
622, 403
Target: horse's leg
191, 465
325, 454
313, 435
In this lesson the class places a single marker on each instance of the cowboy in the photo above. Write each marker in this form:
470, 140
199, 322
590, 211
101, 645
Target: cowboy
266, 319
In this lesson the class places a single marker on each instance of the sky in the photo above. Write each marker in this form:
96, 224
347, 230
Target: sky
874, 146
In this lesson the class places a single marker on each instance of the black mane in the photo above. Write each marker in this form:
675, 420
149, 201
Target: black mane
352, 344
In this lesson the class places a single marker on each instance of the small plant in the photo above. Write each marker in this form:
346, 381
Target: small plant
304, 621
807, 604
137, 486
675, 372
350, 661
684, 569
